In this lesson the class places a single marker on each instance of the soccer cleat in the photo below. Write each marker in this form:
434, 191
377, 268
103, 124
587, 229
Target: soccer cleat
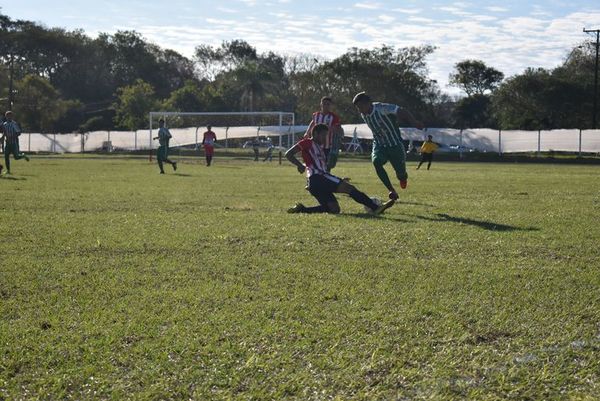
385, 206
393, 195
175, 166
403, 184
26, 158
162, 172
298, 208
1, 169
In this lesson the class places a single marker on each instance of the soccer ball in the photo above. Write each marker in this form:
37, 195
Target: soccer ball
377, 201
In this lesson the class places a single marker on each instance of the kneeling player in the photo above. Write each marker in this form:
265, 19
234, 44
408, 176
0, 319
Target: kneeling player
321, 184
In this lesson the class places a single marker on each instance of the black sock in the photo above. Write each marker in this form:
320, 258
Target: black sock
363, 199
315, 209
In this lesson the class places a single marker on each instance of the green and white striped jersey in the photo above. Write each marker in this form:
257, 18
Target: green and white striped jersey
163, 136
11, 131
383, 123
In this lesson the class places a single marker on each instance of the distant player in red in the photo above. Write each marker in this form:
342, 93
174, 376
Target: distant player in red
321, 184
209, 144
335, 134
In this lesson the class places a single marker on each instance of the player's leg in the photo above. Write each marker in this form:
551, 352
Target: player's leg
322, 189
397, 157
17, 153
7, 152
379, 159
358, 196
429, 159
422, 160
208, 150
159, 158
172, 163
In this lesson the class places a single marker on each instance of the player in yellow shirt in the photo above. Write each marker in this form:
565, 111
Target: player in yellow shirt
427, 150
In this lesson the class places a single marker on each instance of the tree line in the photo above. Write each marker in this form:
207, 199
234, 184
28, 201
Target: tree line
67, 81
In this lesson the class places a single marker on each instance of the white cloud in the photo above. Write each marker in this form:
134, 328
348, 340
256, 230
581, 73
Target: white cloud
508, 42
368, 6
496, 9
407, 10
386, 18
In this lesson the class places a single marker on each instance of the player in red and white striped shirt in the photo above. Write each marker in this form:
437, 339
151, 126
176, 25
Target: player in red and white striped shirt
335, 134
321, 184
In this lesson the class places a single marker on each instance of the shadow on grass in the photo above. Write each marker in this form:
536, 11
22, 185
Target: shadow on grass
371, 216
182, 175
486, 225
11, 178
399, 202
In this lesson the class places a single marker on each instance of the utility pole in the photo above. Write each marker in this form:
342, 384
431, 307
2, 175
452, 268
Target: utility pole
10, 83
595, 111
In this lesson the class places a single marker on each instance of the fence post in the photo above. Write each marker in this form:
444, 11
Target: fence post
539, 150
500, 142
579, 142
82, 140
135, 140
29, 142
460, 146
54, 143
226, 137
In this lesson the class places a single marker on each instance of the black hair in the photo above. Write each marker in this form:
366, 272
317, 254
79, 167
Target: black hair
320, 127
361, 97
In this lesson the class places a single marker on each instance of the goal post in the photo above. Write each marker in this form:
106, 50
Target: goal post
277, 127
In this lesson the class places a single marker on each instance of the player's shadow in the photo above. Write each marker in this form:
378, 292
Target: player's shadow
182, 175
399, 202
486, 225
11, 178
371, 216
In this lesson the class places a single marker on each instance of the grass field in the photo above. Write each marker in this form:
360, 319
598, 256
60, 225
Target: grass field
118, 283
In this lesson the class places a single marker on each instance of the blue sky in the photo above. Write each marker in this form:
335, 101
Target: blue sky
509, 35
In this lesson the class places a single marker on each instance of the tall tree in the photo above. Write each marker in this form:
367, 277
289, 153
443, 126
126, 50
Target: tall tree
475, 77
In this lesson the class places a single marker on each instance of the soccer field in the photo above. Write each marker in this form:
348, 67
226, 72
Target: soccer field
117, 283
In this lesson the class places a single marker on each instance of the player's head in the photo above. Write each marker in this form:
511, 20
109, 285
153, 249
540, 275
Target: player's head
429, 138
161, 122
8, 115
319, 133
208, 127
362, 102
326, 104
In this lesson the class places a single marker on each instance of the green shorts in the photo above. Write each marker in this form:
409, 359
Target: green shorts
396, 155
162, 153
12, 149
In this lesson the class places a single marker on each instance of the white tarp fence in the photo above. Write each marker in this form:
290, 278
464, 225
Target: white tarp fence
484, 140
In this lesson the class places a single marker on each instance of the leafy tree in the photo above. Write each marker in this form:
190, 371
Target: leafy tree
231, 54
541, 99
475, 78
187, 98
474, 112
386, 73
133, 104
38, 105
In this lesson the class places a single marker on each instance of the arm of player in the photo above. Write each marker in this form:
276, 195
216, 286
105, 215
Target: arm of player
339, 132
405, 115
308, 132
291, 156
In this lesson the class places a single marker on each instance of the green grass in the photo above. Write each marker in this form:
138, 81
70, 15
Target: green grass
118, 283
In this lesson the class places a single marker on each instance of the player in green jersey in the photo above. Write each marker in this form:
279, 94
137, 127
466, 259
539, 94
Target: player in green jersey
382, 119
162, 153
